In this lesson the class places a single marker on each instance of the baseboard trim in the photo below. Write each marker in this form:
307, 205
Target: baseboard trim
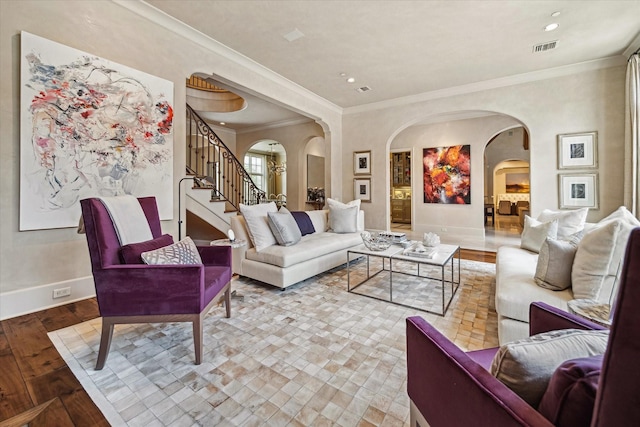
25, 301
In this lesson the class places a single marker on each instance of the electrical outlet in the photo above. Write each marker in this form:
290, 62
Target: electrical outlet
62, 292
443, 229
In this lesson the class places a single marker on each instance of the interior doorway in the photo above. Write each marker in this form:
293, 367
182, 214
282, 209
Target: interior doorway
507, 182
400, 168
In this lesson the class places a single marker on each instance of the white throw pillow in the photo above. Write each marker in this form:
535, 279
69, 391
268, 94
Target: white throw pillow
612, 246
569, 222
257, 222
555, 262
182, 252
526, 365
344, 220
334, 204
593, 258
535, 232
284, 227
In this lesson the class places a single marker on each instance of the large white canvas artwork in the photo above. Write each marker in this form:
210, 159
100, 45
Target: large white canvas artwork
89, 127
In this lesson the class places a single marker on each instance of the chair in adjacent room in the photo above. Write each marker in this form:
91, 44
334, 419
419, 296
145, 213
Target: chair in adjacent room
504, 207
135, 292
448, 387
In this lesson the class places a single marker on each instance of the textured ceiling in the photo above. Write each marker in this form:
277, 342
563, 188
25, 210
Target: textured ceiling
401, 48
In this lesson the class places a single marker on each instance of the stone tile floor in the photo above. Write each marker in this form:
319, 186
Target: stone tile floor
312, 355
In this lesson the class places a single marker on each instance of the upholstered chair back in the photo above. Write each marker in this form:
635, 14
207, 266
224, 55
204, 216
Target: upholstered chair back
617, 401
104, 246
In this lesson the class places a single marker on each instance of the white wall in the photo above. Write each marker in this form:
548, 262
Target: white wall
34, 262
586, 101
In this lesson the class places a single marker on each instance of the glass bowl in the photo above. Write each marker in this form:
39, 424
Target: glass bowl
375, 241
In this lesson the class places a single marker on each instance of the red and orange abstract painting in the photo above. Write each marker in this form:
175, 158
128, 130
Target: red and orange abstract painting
447, 174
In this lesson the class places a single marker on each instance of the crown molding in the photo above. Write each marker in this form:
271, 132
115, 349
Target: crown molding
633, 47
491, 84
178, 27
275, 125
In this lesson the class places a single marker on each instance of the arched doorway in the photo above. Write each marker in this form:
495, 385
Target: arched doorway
266, 163
507, 181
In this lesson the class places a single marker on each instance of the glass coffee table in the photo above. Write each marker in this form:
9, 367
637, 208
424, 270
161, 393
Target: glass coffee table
419, 289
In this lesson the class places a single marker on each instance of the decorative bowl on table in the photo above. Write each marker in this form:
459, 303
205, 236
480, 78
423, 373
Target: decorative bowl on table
375, 241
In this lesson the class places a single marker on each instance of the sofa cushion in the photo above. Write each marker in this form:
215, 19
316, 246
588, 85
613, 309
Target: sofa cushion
535, 232
255, 217
516, 287
526, 366
553, 270
284, 227
131, 253
309, 247
182, 252
569, 222
571, 393
320, 220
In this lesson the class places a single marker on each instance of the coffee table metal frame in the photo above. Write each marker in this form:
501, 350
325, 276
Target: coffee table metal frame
444, 256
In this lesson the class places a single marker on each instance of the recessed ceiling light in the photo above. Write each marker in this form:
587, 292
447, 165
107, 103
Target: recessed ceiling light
351, 80
551, 27
293, 35
222, 123
343, 74
555, 14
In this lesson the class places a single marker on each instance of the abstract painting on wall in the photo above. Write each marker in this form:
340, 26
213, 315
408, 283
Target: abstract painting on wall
89, 128
447, 174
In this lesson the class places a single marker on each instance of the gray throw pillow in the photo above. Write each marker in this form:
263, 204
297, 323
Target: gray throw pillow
526, 365
284, 227
344, 220
555, 261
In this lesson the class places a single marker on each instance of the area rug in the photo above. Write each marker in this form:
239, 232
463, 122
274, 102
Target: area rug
312, 354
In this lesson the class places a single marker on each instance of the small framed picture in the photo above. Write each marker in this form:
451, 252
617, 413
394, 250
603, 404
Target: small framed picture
578, 150
362, 163
362, 189
578, 190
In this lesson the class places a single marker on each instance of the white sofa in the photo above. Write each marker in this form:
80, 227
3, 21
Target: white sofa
283, 266
516, 287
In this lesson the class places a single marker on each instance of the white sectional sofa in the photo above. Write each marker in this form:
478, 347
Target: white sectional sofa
283, 266
598, 255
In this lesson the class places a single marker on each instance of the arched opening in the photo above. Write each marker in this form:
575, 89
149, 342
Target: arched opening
266, 163
459, 223
507, 181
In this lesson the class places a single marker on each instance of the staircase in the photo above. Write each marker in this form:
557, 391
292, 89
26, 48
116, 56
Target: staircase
220, 182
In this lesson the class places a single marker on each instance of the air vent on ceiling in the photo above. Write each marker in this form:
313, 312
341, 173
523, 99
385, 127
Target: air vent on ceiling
543, 47
363, 89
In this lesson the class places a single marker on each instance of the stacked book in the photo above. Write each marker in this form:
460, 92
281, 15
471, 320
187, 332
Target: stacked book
395, 237
420, 251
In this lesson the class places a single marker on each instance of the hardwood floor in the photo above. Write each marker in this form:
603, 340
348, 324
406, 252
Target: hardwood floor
37, 388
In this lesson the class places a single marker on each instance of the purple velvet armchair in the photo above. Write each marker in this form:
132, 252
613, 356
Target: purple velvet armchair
448, 387
140, 293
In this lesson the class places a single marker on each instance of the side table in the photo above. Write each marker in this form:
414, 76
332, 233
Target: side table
237, 243
594, 311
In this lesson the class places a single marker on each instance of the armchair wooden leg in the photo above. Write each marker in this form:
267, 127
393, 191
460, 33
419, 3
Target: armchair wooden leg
227, 301
197, 337
105, 343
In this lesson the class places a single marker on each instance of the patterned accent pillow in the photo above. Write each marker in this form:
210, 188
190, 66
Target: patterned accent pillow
183, 252
131, 253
